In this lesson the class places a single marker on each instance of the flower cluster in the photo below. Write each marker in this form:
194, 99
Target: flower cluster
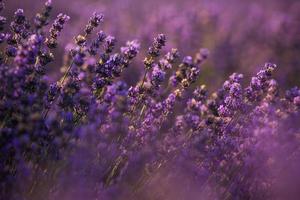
122, 141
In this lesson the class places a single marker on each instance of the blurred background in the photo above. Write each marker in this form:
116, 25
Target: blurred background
241, 35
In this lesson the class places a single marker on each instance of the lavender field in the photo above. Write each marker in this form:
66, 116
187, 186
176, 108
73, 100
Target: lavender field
149, 100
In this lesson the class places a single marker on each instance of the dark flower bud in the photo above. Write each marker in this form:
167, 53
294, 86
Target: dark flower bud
80, 40
99, 83
16, 28
51, 43
68, 116
173, 81
153, 51
297, 101
19, 16
48, 5
101, 36
40, 69
96, 43
131, 49
35, 40
46, 58
158, 76
109, 43
200, 93
292, 93
255, 83
55, 29
3, 20
160, 41
185, 83
116, 70
269, 68
235, 77
171, 56
53, 91
11, 39
79, 59
188, 61
2, 37
11, 51
41, 19
148, 62
94, 21
235, 89
88, 29
224, 111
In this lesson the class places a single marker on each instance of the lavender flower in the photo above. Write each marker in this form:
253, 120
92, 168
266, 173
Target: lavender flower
94, 21
41, 19
91, 126
96, 43
56, 28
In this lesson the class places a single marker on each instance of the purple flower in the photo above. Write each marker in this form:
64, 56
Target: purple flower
94, 21
56, 28
109, 43
158, 76
94, 126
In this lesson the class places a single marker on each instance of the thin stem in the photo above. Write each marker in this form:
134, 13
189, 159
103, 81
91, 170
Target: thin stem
140, 97
66, 74
61, 84
4, 122
144, 78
